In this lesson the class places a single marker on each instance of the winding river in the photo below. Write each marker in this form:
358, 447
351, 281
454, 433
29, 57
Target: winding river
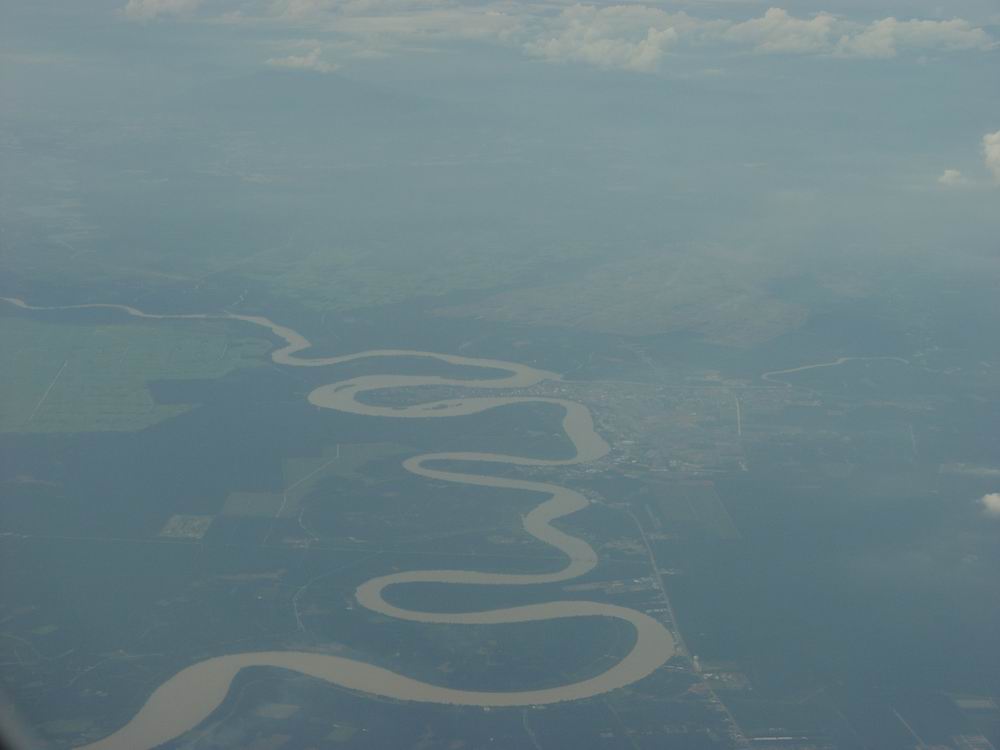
191, 695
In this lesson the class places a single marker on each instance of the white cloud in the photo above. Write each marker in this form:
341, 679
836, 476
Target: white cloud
387, 23
991, 504
886, 37
952, 178
295, 9
144, 10
628, 36
991, 153
777, 31
312, 60
623, 37
374, 7
312, 9
637, 37
441, 23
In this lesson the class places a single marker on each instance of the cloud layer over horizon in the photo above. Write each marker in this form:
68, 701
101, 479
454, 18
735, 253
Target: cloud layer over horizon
629, 37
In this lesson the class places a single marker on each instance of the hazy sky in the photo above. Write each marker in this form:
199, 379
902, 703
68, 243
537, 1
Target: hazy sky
867, 123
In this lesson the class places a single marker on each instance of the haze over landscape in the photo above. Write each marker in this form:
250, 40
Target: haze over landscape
437, 374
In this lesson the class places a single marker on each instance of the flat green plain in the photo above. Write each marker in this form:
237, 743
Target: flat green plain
69, 378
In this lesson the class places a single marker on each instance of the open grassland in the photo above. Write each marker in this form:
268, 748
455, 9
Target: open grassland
303, 474
343, 460
722, 295
72, 378
341, 279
